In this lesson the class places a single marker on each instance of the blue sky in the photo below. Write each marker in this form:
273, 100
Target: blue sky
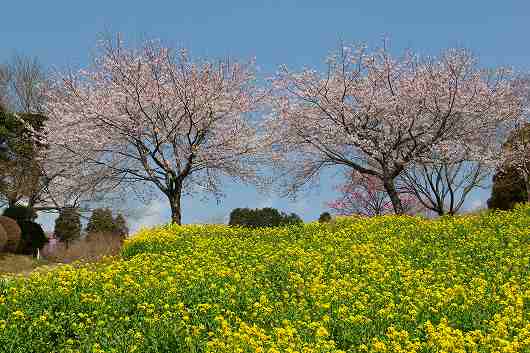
296, 33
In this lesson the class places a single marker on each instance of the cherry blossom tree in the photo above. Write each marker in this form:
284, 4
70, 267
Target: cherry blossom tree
153, 116
377, 114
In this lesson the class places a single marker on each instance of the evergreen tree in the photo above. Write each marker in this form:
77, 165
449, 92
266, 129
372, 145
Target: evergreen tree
68, 225
21, 174
511, 183
101, 221
508, 189
517, 154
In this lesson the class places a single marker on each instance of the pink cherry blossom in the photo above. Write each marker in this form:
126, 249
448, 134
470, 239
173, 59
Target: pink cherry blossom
376, 114
152, 116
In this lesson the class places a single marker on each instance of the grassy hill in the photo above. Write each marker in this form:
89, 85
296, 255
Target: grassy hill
388, 284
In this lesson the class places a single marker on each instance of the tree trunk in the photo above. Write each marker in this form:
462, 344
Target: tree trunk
31, 205
174, 202
394, 197
11, 202
440, 209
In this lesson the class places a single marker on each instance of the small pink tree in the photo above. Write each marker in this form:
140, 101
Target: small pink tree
155, 117
365, 195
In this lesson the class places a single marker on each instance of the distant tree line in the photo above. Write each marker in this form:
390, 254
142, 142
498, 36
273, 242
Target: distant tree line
68, 224
30, 236
262, 217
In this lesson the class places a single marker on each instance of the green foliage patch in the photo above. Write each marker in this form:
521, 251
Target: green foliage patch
262, 217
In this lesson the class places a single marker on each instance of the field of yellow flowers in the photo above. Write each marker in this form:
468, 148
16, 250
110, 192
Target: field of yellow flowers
387, 284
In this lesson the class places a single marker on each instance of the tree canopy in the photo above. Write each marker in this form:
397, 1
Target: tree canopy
377, 114
154, 117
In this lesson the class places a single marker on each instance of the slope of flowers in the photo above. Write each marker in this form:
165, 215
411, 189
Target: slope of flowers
387, 284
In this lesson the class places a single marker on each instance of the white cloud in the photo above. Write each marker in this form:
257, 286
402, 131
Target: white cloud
475, 204
155, 213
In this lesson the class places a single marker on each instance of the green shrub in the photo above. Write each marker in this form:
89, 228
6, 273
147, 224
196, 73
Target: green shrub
20, 213
264, 217
324, 217
13, 233
32, 238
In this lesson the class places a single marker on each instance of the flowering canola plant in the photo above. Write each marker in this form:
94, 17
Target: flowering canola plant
382, 284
